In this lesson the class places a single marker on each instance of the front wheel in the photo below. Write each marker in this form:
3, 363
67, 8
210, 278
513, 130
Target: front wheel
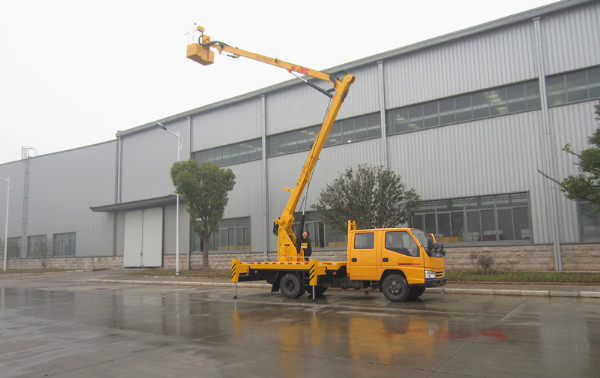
416, 291
290, 286
395, 288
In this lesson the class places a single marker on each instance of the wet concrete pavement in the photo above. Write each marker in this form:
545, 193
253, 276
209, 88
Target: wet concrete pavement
65, 325
518, 289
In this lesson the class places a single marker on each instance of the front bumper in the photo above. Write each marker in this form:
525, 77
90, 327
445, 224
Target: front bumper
434, 282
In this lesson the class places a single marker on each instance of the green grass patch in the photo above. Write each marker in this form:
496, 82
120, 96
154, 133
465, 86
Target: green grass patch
518, 276
212, 273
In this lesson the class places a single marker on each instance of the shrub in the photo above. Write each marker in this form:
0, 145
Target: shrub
482, 262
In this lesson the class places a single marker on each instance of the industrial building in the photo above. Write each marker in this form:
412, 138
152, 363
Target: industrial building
467, 119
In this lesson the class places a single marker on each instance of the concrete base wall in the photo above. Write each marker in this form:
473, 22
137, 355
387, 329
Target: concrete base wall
74, 263
575, 257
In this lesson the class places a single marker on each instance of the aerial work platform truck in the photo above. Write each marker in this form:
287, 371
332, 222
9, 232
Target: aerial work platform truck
401, 262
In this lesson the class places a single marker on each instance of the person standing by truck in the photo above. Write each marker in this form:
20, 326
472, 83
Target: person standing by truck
304, 244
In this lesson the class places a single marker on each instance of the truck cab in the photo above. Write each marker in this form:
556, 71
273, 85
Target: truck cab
404, 261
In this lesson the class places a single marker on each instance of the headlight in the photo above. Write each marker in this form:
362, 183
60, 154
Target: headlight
429, 274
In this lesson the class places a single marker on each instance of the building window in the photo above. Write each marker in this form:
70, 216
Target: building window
14, 247
37, 246
488, 219
321, 235
63, 244
589, 222
249, 150
233, 235
488, 103
343, 131
574, 86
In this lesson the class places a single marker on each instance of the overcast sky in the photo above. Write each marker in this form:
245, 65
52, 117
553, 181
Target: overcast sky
73, 73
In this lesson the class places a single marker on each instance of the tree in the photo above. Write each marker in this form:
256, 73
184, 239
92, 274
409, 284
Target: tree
372, 196
204, 188
584, 186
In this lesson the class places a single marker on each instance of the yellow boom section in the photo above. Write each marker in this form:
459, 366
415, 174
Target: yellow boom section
286, 240
201, 53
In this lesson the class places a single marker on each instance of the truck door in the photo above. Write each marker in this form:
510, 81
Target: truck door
362, 258
402, 252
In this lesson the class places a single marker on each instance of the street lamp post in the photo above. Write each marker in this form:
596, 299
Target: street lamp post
179, 147
8, 187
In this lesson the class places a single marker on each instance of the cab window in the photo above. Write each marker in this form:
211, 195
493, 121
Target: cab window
364, 241
401, 242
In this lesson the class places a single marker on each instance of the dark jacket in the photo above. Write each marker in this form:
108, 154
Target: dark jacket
307, 249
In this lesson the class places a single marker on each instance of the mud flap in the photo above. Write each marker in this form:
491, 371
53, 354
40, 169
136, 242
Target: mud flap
275, 287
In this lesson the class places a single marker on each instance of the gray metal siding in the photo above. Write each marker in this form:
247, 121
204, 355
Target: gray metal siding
493, 156
169, 227
461, 66
146, 161
571, 39
226, 125
302, 106
63, 187
363, 95
246, 199
296, 107
475, 158
15, 172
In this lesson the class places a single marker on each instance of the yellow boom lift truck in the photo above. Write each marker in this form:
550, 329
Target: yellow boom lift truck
402, 262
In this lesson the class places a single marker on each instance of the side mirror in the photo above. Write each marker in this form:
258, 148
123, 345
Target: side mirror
430, 244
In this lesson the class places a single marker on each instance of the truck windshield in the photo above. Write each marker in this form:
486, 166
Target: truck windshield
421, 237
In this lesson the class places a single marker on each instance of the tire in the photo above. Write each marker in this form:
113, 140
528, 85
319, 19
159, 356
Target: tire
290, 286
416, 291
395, 288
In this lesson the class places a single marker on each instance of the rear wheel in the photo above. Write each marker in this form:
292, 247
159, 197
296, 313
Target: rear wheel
395, 288
290, 286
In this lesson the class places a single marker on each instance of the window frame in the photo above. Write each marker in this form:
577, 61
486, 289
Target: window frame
484, 211
464, 107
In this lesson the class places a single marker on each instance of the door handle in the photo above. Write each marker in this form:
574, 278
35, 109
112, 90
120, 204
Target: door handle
385, 259
354, 259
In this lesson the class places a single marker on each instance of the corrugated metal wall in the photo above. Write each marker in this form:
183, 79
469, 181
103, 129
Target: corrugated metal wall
14, 171
571, 39
230, 124
303, 106
247, 199
63, 187
465, 65
146, 161
363, 96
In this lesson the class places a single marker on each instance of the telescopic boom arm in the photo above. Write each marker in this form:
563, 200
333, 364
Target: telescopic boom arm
201, 52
